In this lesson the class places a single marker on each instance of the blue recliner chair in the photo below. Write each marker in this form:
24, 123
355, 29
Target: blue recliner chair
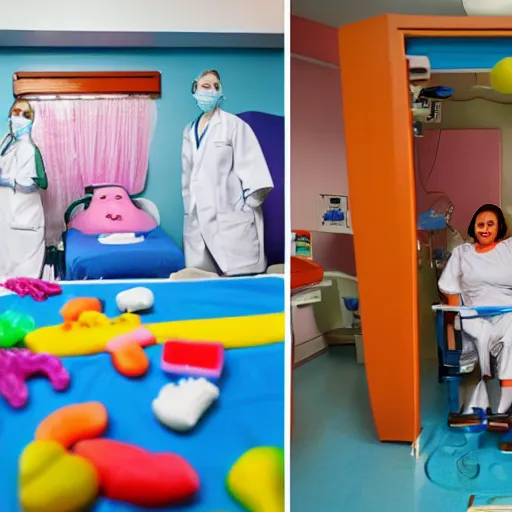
452, 372
269, 130
449, 356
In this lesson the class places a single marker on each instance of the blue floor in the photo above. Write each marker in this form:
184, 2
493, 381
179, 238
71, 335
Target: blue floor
338, 463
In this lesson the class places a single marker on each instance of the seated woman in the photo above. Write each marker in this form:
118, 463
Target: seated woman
480, 274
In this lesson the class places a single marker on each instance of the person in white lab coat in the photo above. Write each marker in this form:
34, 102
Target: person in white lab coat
225, 180
22, 176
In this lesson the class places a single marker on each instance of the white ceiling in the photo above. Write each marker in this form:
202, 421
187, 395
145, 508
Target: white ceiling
336, 13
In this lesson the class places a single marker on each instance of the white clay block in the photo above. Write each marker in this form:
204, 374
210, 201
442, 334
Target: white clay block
135, 299
179, 406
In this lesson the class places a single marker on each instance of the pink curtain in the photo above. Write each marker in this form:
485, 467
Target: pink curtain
89, 141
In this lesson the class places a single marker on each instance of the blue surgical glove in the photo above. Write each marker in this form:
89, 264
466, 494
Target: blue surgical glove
7, 182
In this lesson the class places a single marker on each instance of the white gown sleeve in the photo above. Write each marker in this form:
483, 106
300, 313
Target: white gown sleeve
450, 280
250, 165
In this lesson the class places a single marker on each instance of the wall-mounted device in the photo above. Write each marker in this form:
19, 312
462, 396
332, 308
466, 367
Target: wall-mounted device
333, 211
419, 68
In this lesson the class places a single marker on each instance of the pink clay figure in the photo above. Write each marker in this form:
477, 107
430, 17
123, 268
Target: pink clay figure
17, 365
112, 211
35, 288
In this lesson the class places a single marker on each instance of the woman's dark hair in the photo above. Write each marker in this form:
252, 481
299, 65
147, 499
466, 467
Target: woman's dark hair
491, 208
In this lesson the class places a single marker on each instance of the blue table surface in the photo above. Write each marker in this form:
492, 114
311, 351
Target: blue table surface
249, 412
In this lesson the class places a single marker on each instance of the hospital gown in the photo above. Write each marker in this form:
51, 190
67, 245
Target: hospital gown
483, 279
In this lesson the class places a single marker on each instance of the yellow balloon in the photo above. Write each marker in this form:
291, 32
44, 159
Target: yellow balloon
256, 479
501, 76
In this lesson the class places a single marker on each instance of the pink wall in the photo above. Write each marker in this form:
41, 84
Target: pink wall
467, 169
318, 164
314, 40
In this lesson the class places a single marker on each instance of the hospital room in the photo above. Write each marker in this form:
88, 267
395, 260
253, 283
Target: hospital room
133, 141
354, 402
142, 202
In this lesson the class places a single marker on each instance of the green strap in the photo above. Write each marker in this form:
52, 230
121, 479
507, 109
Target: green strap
41, 181
83, 200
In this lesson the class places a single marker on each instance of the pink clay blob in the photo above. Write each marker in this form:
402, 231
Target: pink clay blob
112, 211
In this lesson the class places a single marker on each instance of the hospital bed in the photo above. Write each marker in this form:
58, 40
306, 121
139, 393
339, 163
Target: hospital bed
249, 412
158, 256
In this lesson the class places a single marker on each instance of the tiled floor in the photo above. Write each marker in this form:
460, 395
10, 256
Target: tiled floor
339, 465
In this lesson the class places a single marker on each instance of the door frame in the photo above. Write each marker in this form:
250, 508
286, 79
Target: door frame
379, 149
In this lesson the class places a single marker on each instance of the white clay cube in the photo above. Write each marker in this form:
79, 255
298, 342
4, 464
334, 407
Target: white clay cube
179, 406
135, 299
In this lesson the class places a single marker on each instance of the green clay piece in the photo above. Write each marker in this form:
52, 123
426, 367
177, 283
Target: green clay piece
14, 327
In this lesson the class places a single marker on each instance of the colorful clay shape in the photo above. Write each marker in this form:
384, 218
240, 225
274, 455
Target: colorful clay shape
180, 405
36, 288
73, 308
53, 480
74, 423
193, 359
256, 479
14, 327
135, 299
127, 354
130, 360
19, 364
112, 210
133, 475
93, 331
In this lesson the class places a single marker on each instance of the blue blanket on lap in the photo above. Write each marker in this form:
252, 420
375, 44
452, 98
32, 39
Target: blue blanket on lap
249, 412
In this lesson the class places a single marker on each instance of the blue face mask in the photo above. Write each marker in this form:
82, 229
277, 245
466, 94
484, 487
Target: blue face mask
208, 100
20, 125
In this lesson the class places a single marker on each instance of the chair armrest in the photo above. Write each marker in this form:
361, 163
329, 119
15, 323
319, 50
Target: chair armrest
449, 339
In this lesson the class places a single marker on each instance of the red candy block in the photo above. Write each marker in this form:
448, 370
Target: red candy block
133, 475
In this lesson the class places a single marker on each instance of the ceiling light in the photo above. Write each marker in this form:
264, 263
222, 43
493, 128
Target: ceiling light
488, 7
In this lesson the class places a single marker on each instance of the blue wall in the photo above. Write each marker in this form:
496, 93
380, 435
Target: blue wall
460, 52
252, 80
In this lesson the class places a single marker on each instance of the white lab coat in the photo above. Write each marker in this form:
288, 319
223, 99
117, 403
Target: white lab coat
21, 214
221, 230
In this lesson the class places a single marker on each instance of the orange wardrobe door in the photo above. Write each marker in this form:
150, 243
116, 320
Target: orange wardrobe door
382, 203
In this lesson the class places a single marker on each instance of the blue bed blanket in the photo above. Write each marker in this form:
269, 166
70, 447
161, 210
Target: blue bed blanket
249, 412
157, 256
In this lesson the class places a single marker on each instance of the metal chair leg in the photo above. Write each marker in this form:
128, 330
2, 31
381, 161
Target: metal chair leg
453, 393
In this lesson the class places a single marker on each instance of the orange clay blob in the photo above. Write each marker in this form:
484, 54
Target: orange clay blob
130, 360
73, 423
72, 310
